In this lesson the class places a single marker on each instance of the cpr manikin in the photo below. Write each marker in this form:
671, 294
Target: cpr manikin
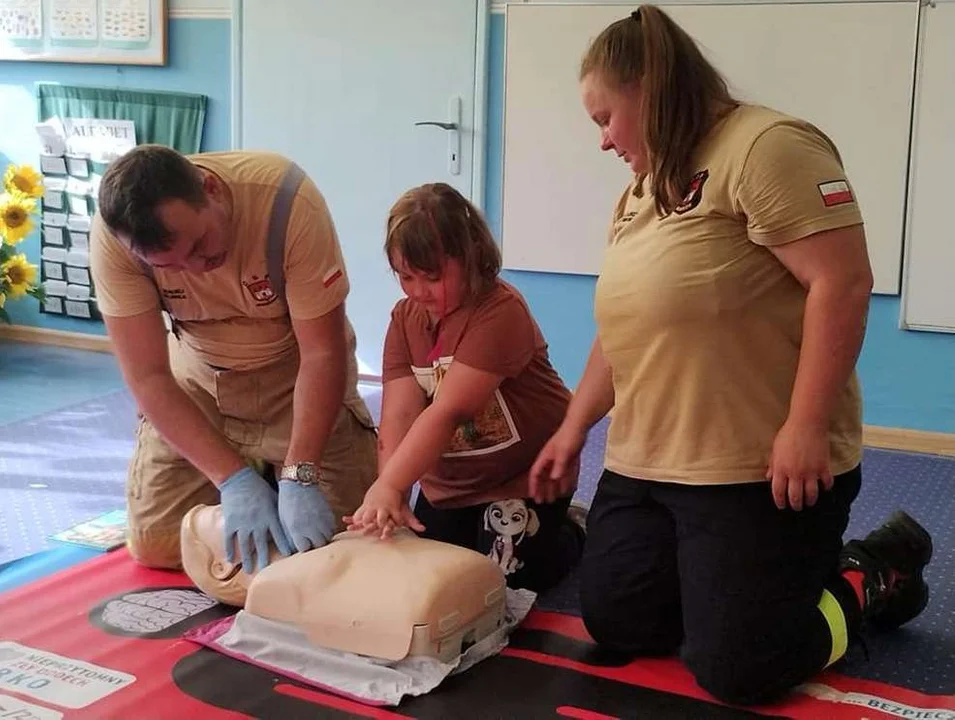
383, 598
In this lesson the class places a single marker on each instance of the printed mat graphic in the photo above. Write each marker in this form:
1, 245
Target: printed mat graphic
103, 640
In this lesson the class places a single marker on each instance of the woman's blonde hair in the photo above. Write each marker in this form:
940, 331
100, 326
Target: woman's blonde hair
681, 93
433, 222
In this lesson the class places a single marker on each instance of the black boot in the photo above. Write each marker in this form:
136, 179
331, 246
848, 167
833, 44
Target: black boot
891, 559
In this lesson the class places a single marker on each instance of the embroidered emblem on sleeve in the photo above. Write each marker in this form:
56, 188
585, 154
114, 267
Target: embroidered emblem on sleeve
836, 192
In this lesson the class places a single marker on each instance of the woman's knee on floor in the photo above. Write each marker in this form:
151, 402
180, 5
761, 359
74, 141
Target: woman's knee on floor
640, 627
634, 635
740, 670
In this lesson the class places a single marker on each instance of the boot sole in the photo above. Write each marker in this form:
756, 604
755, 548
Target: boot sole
917, 536
920, 542
888, 621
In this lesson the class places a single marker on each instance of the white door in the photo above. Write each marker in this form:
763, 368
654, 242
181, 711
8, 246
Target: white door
339, 85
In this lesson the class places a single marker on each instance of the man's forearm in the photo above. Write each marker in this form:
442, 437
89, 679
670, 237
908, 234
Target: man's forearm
833, 332
183, 425
319, 393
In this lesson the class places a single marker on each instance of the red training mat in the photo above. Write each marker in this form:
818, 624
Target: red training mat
102, 640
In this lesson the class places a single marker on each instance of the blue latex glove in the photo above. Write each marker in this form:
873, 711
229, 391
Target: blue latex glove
250, 515
305, 514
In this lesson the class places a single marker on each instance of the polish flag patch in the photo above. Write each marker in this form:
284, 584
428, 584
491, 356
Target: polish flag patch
332, 276
836, 192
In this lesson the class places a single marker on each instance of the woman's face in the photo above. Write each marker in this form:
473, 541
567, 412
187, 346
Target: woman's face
618, 113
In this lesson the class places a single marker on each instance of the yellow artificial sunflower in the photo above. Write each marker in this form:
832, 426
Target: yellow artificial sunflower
19, 275
15, 221
23, 180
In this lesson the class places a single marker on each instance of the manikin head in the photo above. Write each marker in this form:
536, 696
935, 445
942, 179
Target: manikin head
202, 540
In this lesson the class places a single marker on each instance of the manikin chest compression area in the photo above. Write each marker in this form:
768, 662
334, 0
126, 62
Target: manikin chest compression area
389, 599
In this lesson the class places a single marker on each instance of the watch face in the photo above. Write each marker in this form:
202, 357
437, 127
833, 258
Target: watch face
305, 473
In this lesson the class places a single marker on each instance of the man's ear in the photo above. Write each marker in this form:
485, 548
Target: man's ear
211, 185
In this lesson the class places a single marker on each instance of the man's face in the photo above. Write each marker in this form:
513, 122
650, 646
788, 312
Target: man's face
199, 238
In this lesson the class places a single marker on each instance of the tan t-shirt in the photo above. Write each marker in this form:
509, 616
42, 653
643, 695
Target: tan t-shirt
489, 456
230, 316
699, 321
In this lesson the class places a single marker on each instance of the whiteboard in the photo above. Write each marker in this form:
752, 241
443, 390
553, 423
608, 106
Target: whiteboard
847, 67
928, 301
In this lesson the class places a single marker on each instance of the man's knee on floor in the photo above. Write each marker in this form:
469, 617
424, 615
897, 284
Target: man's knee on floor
160, 551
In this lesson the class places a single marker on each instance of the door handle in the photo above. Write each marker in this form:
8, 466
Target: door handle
453, 126
442, 125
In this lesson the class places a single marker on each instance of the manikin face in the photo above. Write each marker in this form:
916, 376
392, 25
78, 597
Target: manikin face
439, 294
618, 113
200, 238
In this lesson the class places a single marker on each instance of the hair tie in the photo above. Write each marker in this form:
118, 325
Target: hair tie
635, 15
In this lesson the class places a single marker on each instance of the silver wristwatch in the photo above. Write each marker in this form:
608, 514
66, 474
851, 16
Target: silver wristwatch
304, 473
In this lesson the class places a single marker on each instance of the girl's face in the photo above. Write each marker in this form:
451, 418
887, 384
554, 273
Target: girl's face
439, 294
619, 115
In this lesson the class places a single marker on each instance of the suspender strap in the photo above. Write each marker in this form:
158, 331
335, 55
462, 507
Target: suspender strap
278, 227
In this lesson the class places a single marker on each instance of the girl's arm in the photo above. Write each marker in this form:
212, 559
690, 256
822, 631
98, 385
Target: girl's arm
464, 391
402, 401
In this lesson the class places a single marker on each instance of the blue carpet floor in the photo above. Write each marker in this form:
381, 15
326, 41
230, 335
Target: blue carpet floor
62, 468
38, 379
67, 464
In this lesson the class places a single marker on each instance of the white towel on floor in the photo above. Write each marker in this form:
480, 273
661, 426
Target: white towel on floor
283, 649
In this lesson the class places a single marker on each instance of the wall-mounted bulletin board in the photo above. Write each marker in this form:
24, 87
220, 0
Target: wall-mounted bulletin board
115, 32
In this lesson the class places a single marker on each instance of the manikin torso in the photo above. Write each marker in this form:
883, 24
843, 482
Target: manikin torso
384, 598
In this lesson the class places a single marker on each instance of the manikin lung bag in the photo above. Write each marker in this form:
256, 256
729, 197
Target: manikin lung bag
387, 599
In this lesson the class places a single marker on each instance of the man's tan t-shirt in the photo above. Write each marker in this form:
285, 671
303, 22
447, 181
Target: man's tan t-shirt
699, 321
230, 316
491, 454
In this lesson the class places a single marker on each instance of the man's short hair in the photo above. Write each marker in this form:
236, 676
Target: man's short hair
136, 183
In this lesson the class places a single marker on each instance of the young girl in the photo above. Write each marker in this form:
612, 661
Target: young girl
469, 399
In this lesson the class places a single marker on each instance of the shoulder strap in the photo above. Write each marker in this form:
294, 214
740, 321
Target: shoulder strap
278, 227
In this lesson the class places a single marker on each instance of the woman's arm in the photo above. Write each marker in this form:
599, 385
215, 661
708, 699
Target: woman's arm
834, 268
553, 473
594, 396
